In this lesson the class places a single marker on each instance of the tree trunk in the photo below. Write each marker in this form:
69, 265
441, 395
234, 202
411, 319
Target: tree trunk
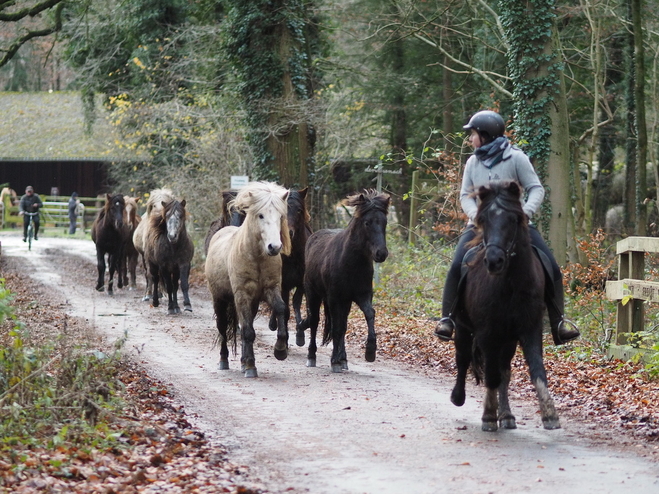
639, 120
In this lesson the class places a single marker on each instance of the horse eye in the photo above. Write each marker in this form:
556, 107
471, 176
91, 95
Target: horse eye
260, 216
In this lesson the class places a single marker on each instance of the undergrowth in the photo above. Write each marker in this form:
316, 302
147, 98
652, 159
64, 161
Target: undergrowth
53, 392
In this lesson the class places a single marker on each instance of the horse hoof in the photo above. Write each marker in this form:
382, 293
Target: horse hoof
370, 356
344, 365
458, 398
223, 365
251, 372
100, 289
281, 354
551, 424
146, 299
188, 308
337, 368
311, 362
508, 423
299, 339
489, 426
172, 312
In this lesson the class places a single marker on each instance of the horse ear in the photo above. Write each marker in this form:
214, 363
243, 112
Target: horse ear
514, 189
303, 192
284, 197
183, 203
108, 197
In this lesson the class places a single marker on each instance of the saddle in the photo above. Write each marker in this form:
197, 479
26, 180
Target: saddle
471, 254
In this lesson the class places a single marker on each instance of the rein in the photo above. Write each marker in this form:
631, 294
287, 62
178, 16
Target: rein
509, 251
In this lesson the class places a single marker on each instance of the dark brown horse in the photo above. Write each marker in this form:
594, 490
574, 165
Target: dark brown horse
109, 235
339, 271
502, 306
168, 252
229, 216
292, 269
131, 255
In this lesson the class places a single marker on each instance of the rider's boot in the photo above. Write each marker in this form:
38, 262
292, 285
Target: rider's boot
562, 329
446, 326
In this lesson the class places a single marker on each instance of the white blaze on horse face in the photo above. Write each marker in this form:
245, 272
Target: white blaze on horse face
269, 222
174, 223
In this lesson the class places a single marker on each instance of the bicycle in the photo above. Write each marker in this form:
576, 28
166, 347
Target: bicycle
30, 229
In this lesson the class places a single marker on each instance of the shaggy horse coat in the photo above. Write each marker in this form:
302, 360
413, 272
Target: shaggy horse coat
243, 268
131, 255
109, 235
339, 271
168, 252
503, 304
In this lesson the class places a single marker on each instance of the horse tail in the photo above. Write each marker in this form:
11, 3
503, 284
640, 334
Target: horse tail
327, 329
232, 325
477, 363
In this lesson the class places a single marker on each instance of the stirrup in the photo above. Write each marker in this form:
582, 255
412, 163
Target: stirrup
569, 331
444, 329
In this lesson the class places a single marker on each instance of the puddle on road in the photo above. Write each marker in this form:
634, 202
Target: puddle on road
113, 315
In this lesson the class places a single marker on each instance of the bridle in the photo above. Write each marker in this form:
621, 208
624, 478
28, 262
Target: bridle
509, 250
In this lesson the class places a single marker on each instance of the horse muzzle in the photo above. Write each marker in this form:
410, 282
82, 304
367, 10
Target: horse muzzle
273, 249
495, 259
381, 255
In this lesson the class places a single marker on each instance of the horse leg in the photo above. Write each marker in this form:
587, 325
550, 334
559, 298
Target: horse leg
147, 277
222, 322
155, 283
278, 312
248, 335
185, 286
132, 270
532, 349
463, 356
506, 417
273, 317
299, 325
168, 276
100, 264
366, 307
338, 316
116, 265
493, 379
112, 267
313, 318
491, 405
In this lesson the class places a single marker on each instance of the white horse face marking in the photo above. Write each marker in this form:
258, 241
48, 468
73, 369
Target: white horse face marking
174, 225
269, 224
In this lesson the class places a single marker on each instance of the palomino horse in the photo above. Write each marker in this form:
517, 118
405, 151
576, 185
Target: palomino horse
109, 235
339, 271
153, 207
243, 267
168, 252
503, 304
131, 255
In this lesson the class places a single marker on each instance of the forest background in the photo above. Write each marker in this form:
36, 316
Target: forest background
319, 94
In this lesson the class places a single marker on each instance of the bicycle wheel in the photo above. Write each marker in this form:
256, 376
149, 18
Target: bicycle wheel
30, 234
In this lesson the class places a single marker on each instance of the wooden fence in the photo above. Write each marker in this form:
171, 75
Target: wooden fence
631, 291
54, 213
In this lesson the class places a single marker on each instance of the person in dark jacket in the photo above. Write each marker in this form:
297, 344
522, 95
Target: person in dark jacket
30, 203
73, 212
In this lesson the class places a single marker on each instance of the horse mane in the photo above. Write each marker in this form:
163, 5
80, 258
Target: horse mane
298, 197
366, 201
157, 197
259, 195
504, 194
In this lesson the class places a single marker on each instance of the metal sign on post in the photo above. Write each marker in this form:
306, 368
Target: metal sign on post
239, 181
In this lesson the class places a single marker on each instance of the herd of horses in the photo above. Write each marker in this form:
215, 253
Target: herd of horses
262, 248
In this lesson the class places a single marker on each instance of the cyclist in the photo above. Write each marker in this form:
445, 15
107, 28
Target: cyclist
30, 203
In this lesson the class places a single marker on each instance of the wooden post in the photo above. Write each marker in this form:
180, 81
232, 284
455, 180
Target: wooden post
414, 213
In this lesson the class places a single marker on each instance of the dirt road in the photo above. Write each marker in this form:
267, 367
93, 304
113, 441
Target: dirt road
377, 428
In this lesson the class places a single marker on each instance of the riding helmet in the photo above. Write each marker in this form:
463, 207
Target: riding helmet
489, 124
